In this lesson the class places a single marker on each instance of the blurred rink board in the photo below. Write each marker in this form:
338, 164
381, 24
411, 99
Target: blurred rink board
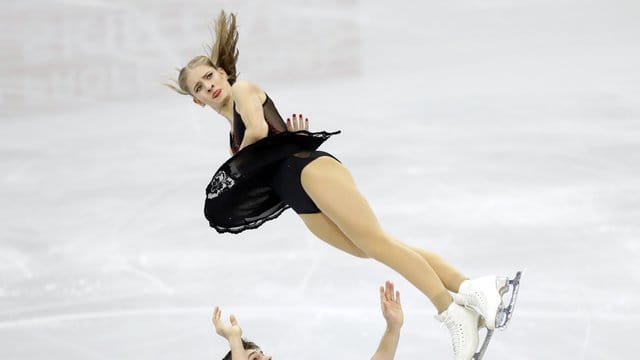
61, 54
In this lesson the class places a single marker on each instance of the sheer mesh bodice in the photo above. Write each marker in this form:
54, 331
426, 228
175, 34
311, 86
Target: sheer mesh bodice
240, 195
271, 115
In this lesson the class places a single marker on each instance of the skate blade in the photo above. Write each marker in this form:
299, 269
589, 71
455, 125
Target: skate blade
485, 344
502, 287
505, 313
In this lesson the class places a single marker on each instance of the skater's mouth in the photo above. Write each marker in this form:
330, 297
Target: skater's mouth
216, 93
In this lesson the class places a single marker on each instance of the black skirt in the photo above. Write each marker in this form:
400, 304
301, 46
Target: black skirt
239, 197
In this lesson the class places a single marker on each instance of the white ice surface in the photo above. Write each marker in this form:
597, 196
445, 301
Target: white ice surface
502, 135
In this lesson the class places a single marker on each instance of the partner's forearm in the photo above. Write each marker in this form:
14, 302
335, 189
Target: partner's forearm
388, 345
237, 350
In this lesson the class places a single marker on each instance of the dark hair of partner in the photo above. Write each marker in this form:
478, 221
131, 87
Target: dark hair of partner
246, 345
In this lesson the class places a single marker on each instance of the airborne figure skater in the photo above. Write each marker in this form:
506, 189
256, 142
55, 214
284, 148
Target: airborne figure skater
276, 165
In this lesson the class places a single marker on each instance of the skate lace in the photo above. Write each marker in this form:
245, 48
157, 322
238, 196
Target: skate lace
457, 333
476, 297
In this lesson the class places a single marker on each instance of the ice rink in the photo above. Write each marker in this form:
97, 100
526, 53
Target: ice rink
503, 135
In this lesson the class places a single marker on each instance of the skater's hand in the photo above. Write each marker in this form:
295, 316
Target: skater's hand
391, 307
298, 123
226, 331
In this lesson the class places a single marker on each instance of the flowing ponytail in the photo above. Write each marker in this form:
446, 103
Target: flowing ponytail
223, 54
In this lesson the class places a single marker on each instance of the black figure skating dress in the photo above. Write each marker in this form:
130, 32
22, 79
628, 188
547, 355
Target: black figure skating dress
262, 180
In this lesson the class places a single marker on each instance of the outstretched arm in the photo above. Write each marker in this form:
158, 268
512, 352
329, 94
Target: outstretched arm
392, 312
232, 333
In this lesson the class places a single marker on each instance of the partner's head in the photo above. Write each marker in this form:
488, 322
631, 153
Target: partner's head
203, 76
252, 350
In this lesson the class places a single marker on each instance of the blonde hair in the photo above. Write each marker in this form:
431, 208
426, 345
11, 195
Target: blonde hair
223, 54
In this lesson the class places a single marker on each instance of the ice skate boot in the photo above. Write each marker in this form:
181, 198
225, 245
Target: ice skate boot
463, 327
503, 313
484, 296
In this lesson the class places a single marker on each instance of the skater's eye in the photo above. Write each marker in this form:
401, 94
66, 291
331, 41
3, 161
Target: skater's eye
209, 75
197, 88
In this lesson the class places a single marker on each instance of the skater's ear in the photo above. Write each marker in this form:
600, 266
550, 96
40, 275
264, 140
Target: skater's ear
198, 102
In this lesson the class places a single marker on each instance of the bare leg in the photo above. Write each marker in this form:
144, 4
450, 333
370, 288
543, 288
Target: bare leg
332, 189
325, 229
450, 276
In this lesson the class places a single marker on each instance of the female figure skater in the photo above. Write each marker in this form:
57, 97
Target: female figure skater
276, 166
242, 349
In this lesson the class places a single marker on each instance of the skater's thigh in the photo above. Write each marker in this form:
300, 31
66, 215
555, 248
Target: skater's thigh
331, 187
325, 229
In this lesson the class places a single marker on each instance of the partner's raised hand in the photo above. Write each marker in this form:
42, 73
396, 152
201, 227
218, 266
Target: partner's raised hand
225, 330
391, 307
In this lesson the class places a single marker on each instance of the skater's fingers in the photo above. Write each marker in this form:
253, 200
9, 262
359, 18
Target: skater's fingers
389, 290
233, 320
216, 317
398, 297
295, 122
306, 124
382, 295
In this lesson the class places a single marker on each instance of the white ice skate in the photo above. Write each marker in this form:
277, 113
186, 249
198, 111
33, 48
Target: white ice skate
485, 295
463, 327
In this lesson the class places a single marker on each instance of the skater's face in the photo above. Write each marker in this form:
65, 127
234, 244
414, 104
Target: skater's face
209, 86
